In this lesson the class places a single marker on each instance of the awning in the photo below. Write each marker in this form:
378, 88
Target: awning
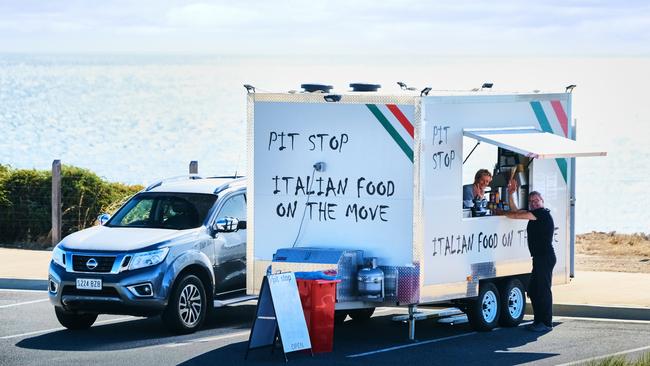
533, 143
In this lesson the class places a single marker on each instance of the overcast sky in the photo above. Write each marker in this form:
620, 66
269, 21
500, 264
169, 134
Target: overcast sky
437, 27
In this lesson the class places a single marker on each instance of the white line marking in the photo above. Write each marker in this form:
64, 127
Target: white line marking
603, 320
410, 345
204, 340
383, 310
62, 328
23, 303
496, 329
429, 341
20, 290
605, 356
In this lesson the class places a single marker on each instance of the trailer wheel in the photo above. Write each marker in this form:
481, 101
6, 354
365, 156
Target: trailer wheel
73, 320
361, 315
187, 305
483, 313
513, 303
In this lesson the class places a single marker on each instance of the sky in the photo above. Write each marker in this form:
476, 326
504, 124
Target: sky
316, 27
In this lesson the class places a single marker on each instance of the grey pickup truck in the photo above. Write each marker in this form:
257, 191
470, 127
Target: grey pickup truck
176, 249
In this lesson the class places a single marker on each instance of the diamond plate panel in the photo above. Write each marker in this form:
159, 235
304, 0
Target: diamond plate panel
408, 285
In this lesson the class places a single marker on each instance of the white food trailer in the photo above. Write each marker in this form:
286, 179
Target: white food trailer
369, 186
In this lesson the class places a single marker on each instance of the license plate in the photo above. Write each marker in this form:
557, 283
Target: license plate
89, 284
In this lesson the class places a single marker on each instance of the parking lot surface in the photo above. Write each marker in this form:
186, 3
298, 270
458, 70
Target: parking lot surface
30, 334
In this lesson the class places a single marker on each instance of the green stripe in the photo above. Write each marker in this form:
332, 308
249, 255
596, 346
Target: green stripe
546, 127
391, 131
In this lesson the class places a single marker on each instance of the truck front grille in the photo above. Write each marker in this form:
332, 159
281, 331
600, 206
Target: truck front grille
80, 263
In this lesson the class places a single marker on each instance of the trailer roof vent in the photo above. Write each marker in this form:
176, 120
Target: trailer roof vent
310, 88
359, 87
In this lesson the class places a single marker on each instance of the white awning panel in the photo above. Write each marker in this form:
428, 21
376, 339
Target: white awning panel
533, 143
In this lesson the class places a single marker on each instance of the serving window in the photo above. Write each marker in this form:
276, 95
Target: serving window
517, 147
485, 162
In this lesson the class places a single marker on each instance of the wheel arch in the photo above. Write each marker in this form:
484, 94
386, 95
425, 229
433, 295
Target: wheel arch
202, 273
194, 262
501, 282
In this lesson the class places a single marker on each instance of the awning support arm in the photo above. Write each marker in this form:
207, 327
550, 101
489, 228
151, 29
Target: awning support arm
470, 153
529, 161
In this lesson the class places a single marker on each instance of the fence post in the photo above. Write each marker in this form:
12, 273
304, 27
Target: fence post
56, 202
194, 167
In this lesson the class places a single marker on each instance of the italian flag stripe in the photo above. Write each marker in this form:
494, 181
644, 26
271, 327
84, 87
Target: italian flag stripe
391, 130
546, 127
561, 116
401, 118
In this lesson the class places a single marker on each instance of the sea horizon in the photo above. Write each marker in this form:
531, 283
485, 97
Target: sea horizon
137, 118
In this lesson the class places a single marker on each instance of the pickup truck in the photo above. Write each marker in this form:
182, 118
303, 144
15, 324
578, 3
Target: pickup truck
176, 249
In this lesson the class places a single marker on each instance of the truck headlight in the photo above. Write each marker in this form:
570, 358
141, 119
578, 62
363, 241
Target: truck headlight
147, 259
58, 256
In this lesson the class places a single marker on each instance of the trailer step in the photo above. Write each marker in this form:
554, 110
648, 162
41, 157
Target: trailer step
432, 314
234, 300
455, 319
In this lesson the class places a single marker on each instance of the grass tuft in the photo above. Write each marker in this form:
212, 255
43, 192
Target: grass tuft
621, 361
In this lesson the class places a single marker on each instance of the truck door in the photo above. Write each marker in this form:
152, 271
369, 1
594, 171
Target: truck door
230, 248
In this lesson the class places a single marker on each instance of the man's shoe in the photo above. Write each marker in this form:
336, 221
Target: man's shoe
531, 326
540, 328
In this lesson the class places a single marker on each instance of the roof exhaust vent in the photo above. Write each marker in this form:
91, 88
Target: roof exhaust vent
312, 88
359, 87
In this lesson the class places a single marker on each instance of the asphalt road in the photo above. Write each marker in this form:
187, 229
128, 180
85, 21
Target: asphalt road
30, 334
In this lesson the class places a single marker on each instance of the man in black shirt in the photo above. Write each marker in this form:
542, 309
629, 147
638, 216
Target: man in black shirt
540, 244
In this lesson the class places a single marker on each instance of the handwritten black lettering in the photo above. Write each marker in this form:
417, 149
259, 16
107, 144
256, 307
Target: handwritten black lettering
320, 141
386, 189
453, 244
443, 159
273, 137
440, 134
506, 238
364, 213
288, 210
324, 210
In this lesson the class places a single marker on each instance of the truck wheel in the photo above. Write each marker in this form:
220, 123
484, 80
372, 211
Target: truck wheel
513, 303
185, 312
73, 320
483, 313
361, 315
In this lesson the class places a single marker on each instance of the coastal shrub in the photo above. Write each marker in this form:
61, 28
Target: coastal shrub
4, 171
26, 198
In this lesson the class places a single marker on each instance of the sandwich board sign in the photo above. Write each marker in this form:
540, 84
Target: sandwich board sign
279, 312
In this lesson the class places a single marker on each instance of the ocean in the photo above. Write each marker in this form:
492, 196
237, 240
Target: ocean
134, 119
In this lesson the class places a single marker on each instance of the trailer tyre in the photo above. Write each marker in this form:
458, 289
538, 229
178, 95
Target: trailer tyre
187, 307
483, 313
74, 321
361, 315
513, 303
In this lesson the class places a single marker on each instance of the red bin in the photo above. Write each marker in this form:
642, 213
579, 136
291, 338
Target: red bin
318, 298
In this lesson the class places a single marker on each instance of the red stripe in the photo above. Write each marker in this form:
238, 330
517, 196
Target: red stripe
401, 118
561, 116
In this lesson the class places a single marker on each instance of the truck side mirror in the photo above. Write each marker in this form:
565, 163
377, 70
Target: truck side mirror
103, 218
226, 225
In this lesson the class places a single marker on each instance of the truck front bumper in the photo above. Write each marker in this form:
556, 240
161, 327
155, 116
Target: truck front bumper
117, 295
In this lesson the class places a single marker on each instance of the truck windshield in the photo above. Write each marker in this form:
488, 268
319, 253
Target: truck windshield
177, 211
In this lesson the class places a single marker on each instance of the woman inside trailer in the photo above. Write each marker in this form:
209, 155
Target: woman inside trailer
482, 180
